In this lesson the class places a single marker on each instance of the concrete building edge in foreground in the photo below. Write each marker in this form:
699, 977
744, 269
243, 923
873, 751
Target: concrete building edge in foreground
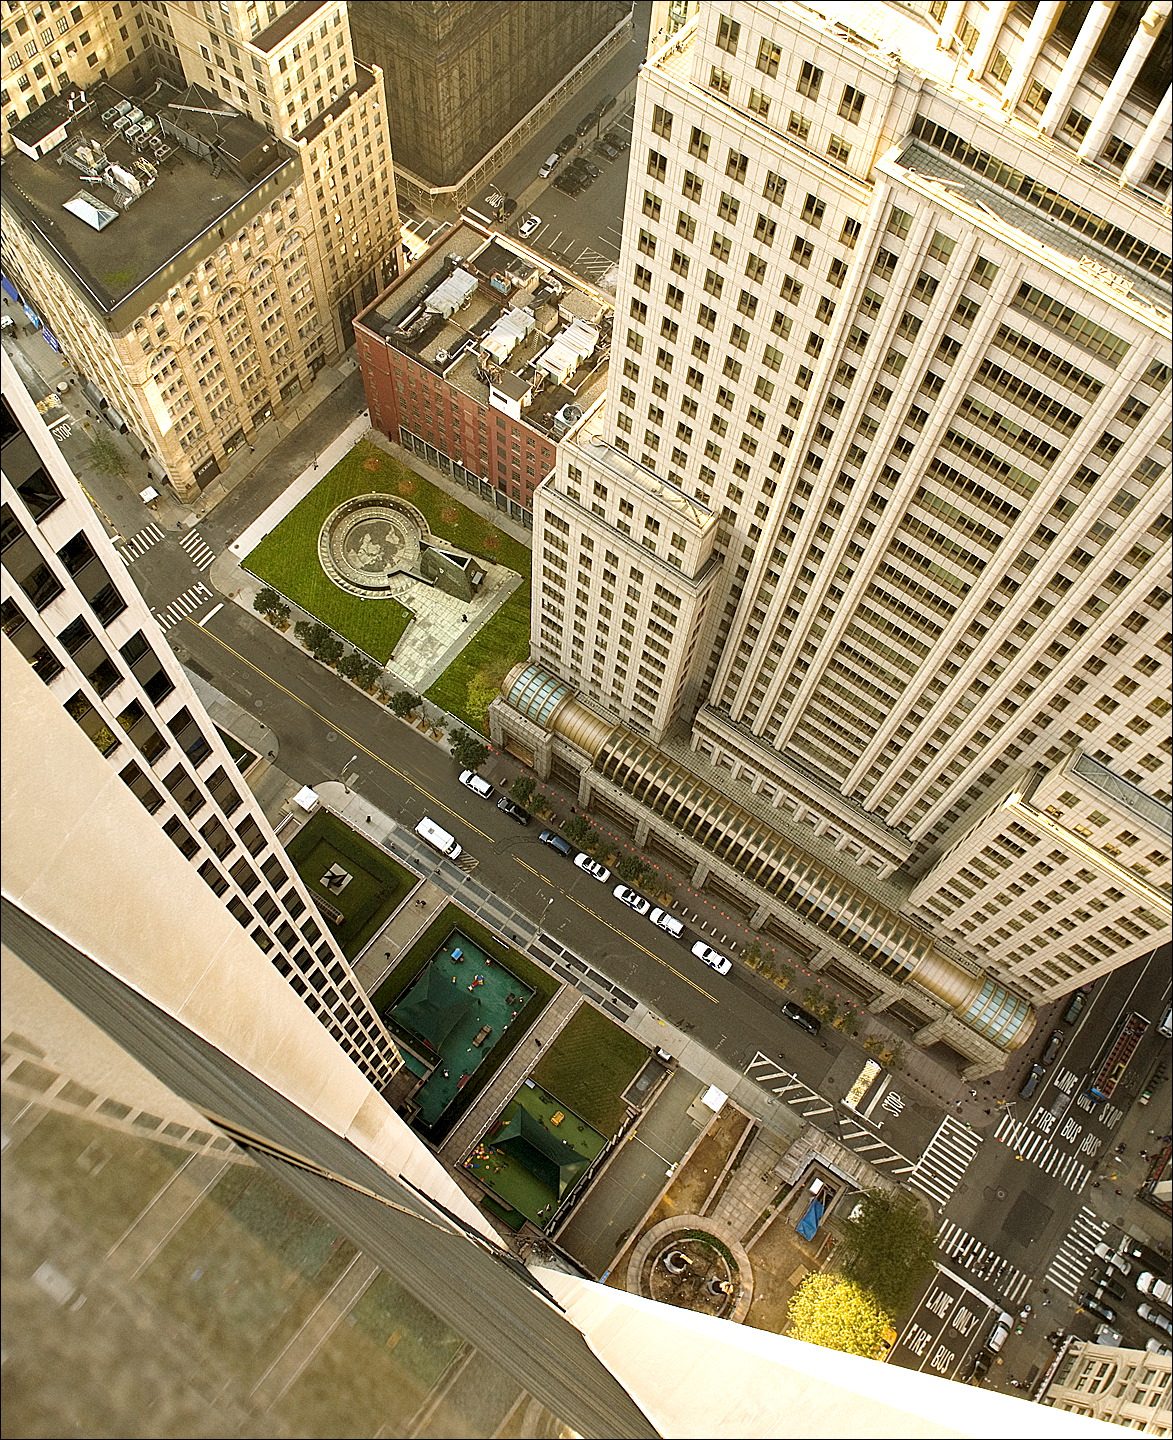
696, 1375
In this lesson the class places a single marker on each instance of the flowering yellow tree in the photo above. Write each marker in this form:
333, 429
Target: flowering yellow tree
833, 1311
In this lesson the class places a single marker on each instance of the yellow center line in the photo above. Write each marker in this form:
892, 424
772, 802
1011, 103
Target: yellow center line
333, 725
594, 914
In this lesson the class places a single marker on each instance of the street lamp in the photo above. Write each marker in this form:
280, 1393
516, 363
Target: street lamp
671, 1164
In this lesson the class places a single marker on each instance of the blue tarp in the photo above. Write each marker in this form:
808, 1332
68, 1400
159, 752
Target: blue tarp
809, 1223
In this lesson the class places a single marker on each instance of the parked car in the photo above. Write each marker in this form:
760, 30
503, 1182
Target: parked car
529, 225
1097, 1307
712, 958
592, 170
618, 139
1112, 1258
514, 810
999, 1334
1156, 1347
547, 166
604, 104
626, 896
476, 783
979, 1367
1109, 1286
1148, 1284
608, 152
567, 143
667, 922
567, 184
592, 867
586, 122
1031, 1083
800, 1017
1054, 1042
556, 842
1154, 1317
1075, 1006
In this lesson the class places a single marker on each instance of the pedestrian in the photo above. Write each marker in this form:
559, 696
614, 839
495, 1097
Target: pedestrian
368, 819
464, 619
1119, 1192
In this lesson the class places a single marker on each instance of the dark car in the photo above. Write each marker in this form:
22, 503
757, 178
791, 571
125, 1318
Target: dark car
803, 1018
592, 170
617, 139
1031, 1083
979, 1367
556, 842
513, 810
586, 122
1075, 1008
1054, 1042
567, 143
608, 152
1097, 1307
1109, 1286
605, 104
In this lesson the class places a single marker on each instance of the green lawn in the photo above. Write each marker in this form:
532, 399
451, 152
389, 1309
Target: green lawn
377, 886
287, 559
589, 1066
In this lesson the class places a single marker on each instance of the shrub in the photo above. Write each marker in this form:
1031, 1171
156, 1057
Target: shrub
403, 703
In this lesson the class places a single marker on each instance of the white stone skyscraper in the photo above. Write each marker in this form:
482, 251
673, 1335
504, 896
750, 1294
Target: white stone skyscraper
871, 534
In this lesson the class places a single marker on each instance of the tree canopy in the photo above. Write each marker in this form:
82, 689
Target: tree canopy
835, 1312
889, 1247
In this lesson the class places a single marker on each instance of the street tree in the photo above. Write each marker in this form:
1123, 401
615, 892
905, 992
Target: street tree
578, 828
403, 703
632, 869
467, 750
835, 1312
270, 604
522, 789
105, 457
889, 1247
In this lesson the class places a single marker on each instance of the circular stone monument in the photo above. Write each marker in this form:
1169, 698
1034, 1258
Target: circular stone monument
368, 540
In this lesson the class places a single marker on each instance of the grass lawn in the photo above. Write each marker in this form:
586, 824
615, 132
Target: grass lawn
287, 558
589, 1066
469, 684
377, 886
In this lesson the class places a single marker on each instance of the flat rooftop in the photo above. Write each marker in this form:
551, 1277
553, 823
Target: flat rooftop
508, 279
203, 166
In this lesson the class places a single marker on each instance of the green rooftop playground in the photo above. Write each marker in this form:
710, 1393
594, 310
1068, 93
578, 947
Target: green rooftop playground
457, 1009
354, 883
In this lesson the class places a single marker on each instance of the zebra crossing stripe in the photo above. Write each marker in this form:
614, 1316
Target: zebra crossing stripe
140, 542
1073, 1257
945, 1160
199, 552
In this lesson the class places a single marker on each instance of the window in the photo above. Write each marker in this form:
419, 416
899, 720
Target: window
657, 165
747, 303
651, 205
851, 106
728, 207
941, 247
755, 268
850, 234
1116, 151
798, 125
839, 149
737, 165
769, 55
774, 189
661, 122
813, 211
781, 325
759, 105
801, 251
698, 144
728, 32
720, 80
791, 290
720, 247
693, 186
809, 80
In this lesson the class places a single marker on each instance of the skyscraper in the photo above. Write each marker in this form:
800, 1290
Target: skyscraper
73, 615
871, 532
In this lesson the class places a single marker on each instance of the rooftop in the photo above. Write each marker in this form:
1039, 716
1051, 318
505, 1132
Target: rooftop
502, 327
182, 159
1145, 807
272, 35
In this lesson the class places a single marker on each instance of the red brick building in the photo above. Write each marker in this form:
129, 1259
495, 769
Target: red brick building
479, 359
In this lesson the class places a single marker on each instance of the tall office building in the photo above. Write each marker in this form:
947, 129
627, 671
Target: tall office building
871, 534
73, 618
197, 220
1130, 1388
469, 81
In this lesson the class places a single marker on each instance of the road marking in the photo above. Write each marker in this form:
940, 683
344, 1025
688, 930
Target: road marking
200, 554
140, 542
1033, 1147
183, 605
351, 739
1073, 1257
983, 1262
586, 909
946, 1159
208, 616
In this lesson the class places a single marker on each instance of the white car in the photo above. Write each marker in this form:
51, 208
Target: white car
529, 225
712, 957
592, 867
667, 922
1154, 1317
476, 783
632, 898
1149, 1284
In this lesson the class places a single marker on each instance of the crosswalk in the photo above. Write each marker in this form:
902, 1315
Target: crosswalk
812, 1106
995, 1272
191, 600
140, 542
1070, 1265
1031, 1146
945, 1160
200, 554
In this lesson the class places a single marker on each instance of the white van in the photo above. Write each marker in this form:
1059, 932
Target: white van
549, 164
436, 837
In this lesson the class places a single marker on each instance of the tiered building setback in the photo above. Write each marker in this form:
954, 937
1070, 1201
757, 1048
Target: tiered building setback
886, 440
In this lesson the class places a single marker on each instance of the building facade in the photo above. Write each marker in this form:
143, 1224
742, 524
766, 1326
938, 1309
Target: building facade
73, 617
1122, 1387
265, 217
480, 358
920, 384
460, 77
